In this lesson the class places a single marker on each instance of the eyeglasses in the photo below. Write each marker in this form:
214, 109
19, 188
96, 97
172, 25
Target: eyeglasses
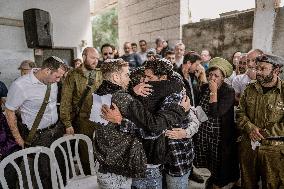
110, 53
250, 60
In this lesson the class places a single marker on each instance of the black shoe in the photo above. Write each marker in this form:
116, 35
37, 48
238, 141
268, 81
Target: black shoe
209, 183
236, 187
196, 177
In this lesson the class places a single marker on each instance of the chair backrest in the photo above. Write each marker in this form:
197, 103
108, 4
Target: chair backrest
64, 145
23, 154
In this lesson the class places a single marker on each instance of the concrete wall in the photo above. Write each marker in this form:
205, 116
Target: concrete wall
148, 19
264, 25
278, 37
222, 36
71, 24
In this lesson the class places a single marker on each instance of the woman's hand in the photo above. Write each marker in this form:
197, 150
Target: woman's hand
213, 87
200, 74
111, 114
176, 133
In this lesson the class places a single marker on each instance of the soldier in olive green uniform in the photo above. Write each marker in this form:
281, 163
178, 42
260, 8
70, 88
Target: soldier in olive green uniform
74, 86
261, 119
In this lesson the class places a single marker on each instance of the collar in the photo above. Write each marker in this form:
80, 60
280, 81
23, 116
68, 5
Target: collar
278, 86
33, 77
85, 72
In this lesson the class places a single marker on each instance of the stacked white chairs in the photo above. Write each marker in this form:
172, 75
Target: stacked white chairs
24, 157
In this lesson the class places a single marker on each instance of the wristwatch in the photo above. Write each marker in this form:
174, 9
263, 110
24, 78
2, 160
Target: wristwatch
212, 93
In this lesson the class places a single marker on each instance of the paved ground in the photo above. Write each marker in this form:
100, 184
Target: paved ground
193, 185
205, 174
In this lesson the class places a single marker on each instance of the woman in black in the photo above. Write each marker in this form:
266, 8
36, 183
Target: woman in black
216, 147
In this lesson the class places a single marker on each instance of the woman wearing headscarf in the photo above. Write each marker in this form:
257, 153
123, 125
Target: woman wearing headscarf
215, 144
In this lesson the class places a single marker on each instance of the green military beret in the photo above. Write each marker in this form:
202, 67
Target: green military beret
221, 64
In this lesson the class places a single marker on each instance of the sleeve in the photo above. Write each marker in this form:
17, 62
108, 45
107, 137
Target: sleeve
3, 135
66, 108
3, 90
128, 126
193, 124
15, 97
236, 85
138, 60
156, 122
243, 121
225, 102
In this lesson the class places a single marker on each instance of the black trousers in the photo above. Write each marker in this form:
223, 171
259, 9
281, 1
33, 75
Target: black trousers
45, 138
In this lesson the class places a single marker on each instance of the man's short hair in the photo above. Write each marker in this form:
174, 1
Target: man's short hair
209, 53
134, 44
136, 75
74, 61
192, 57
179, 44
158, 40
159, 66
258, 51
169, 53
54, 63
111, 66
27, 64
107, 45
142, 40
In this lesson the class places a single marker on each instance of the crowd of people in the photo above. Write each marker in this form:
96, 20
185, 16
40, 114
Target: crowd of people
171, 111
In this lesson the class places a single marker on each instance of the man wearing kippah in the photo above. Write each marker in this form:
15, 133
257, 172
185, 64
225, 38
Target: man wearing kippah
261, 121
27, 95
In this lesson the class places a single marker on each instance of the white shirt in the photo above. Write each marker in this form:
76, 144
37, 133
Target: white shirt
240, 82
179, 62
230, 79
26, 94
143, 56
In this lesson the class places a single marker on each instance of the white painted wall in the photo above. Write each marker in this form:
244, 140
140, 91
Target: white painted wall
71, 24
263, 26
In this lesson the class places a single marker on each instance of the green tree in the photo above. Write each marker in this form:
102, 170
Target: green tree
105, 28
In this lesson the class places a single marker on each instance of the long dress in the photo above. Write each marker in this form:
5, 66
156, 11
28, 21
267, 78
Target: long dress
215, 142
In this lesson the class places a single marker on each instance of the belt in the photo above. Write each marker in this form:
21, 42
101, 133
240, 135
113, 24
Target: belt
46, 128
272, 142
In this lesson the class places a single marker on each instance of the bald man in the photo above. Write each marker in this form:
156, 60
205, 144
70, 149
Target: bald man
76, 99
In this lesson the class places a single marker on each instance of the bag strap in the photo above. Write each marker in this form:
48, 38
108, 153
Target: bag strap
84, 94
38, 117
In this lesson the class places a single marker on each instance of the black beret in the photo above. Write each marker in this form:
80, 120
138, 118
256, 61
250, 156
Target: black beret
270, 58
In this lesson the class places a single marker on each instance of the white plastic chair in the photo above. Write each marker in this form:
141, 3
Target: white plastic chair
54, 168
76, 180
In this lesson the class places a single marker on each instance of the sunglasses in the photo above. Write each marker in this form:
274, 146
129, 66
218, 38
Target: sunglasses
110, 53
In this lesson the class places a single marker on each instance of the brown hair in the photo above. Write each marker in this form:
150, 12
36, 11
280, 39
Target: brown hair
111, 66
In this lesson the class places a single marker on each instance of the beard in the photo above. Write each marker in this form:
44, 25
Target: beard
242, 70
264, 79
90, 66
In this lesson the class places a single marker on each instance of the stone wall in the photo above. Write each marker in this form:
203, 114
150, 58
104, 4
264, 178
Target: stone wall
222, 36
148, 19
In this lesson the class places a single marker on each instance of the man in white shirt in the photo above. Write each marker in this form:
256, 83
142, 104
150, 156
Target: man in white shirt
240, 82
26, 95
143, 48
179, 53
